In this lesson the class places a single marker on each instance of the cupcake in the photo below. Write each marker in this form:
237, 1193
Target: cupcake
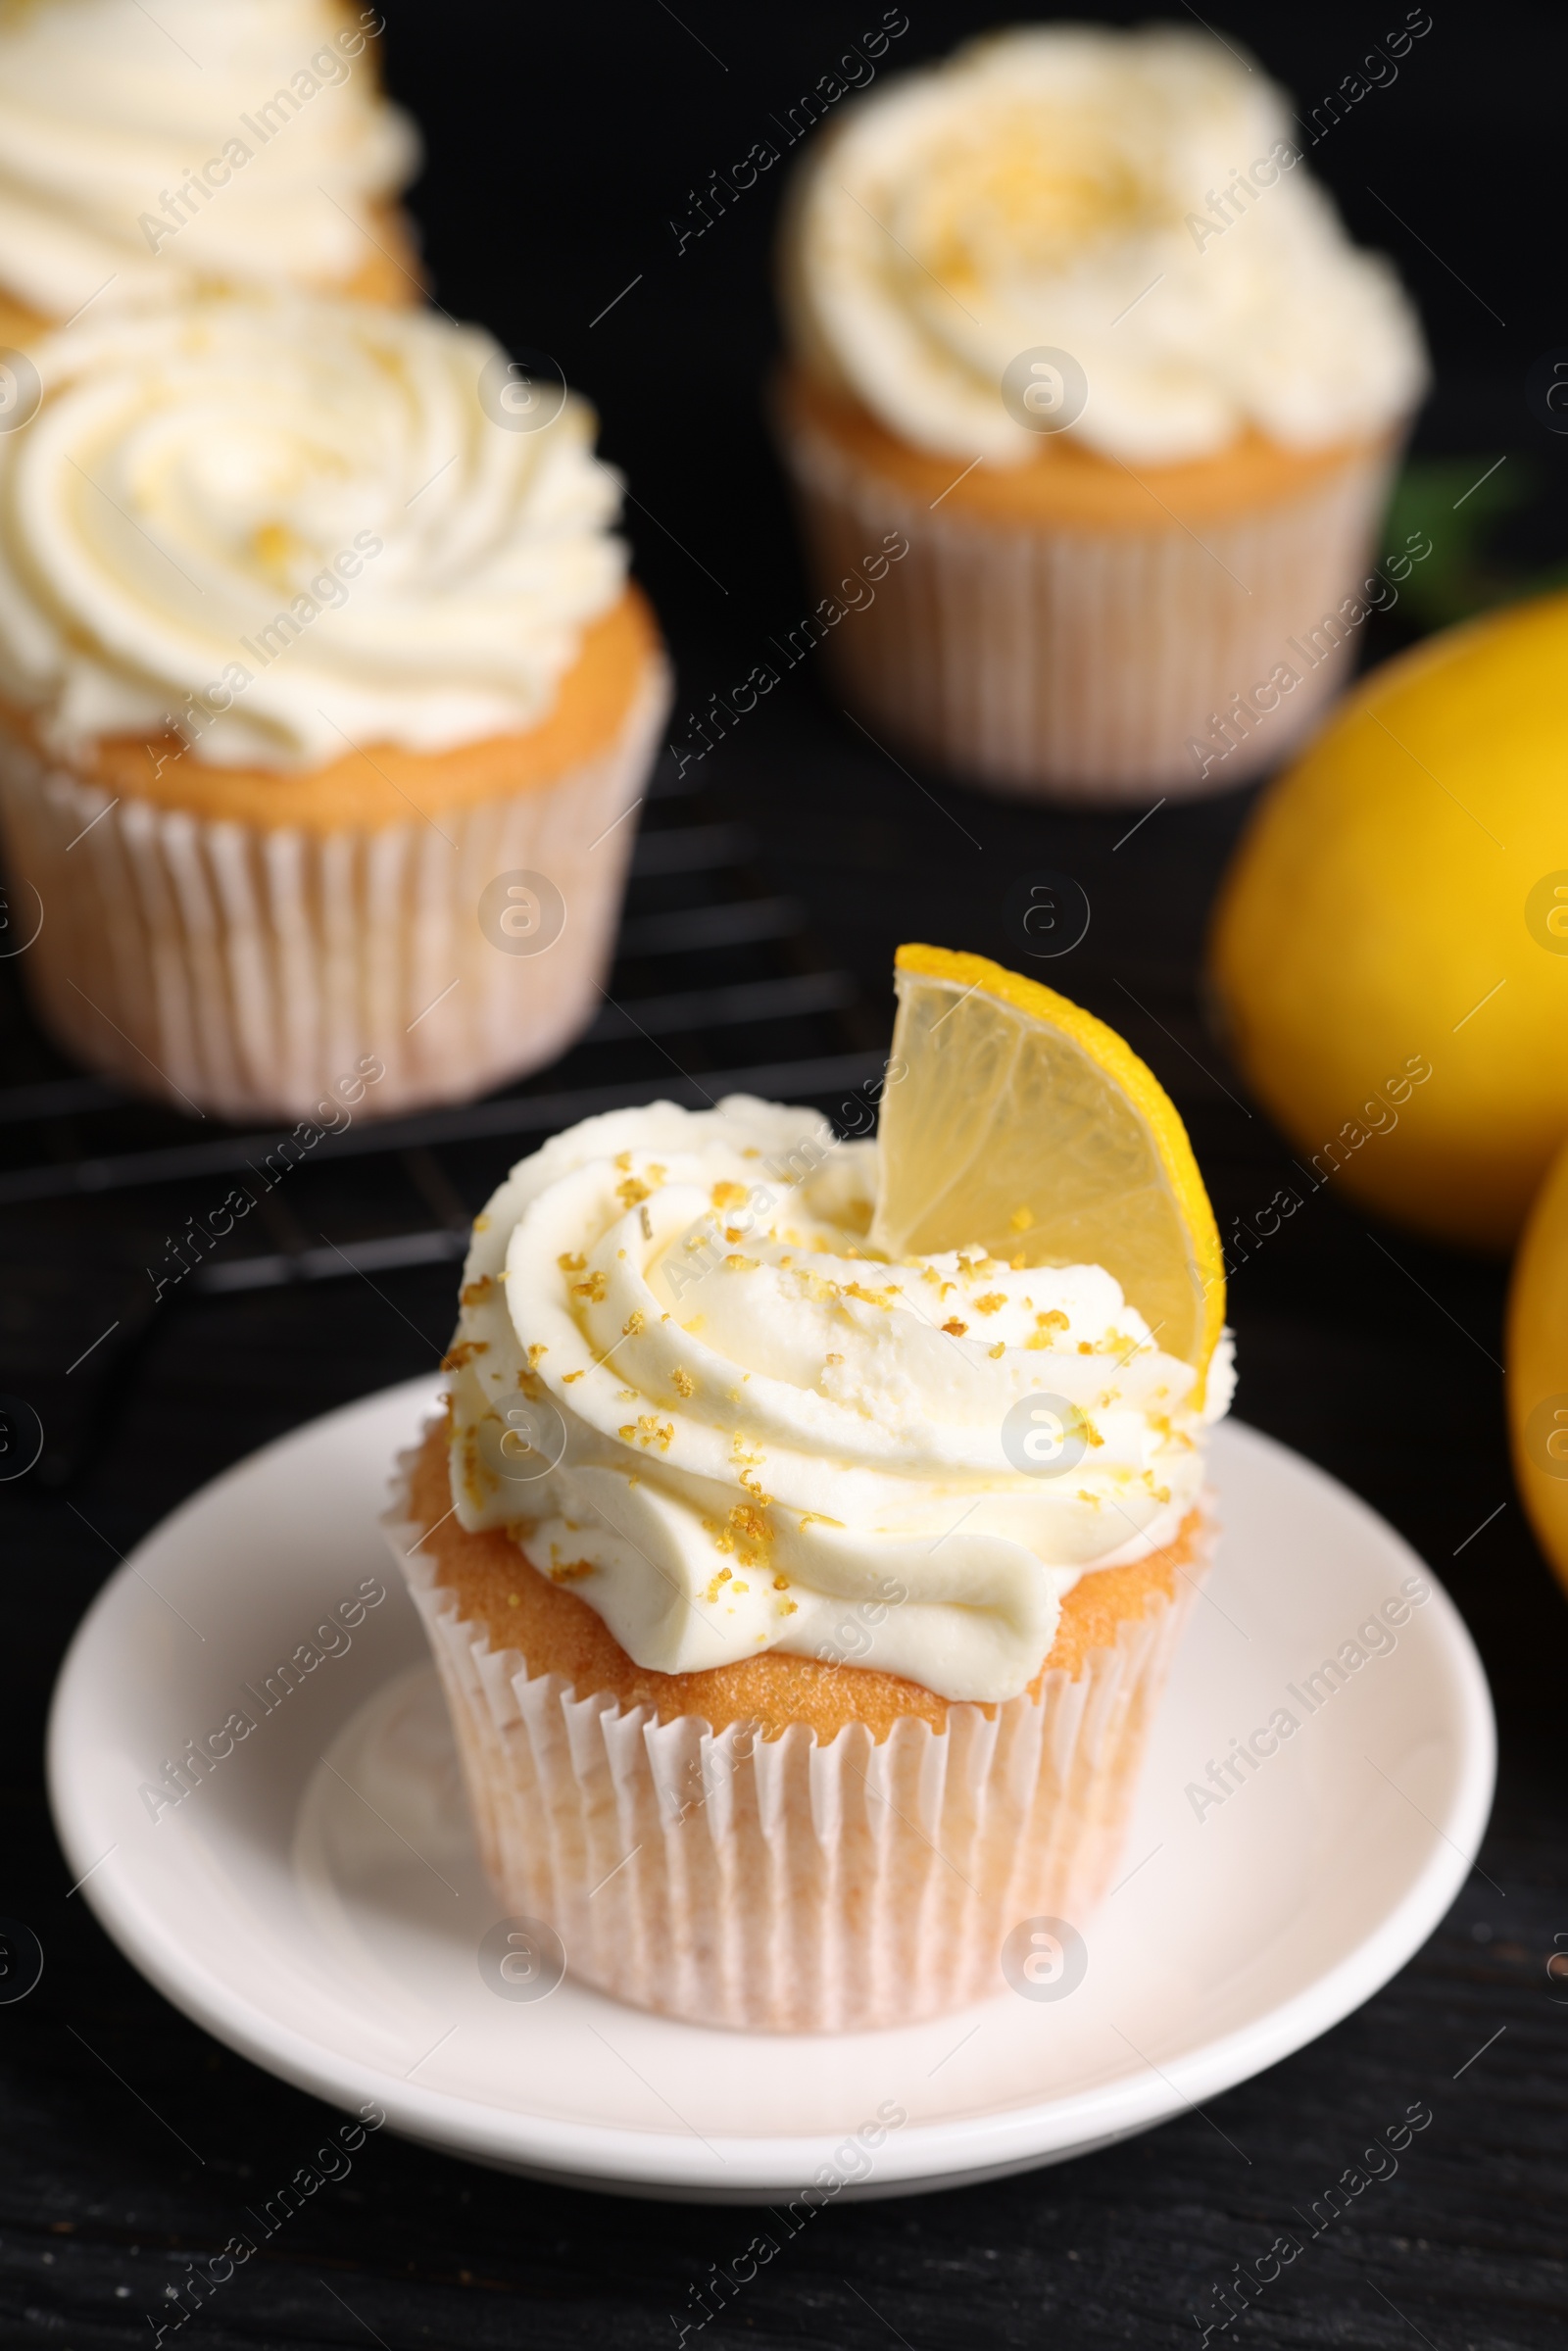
324, 695
211, 143
801, 1603
1068, 317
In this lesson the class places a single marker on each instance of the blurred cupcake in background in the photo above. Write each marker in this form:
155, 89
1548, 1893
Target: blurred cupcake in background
1068, 312
322, 694
216, 143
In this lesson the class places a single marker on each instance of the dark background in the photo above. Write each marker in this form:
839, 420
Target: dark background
560, 143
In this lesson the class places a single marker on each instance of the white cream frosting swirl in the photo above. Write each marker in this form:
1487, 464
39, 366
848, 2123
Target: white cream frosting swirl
1062, 187
291, 526
681, 1383
260, 118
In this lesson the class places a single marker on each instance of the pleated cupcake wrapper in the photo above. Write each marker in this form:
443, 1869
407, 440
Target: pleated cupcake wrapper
1079, 665
782, 1885
251, 970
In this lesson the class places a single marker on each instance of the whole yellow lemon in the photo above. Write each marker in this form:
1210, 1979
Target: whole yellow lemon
1537, 1350
1391, 946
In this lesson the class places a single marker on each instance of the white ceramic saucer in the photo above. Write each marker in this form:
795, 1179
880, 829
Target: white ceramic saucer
316, 1901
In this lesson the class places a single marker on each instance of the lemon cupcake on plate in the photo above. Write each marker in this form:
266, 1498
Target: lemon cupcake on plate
216, 143
813, 1523
323, 699
1067, 314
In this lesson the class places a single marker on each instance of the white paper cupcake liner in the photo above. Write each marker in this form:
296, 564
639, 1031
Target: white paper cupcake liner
782, 1885
1079, 666
252, 970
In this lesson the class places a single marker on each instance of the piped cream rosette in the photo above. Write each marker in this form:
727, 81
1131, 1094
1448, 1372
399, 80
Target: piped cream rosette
242, 143
685, 1388
1068, 313
287, 527
1065, 187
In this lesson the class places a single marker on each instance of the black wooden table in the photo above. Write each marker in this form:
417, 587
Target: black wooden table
560, 150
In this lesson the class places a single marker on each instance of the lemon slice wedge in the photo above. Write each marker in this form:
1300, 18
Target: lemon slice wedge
1025, 1127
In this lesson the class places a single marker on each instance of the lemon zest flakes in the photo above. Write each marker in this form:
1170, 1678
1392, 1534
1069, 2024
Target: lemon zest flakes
747, 1464
537, 1349
570, 1262
991, 1302
594, 1288
631, 1194
745, 1533
682, 1382
473, 1293
632, 1327
999, 1350
649, 1430
954, 1328
728, 1196
738, 1264
566, 1378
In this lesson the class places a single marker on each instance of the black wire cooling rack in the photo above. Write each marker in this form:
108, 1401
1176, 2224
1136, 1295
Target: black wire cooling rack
108, 1201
